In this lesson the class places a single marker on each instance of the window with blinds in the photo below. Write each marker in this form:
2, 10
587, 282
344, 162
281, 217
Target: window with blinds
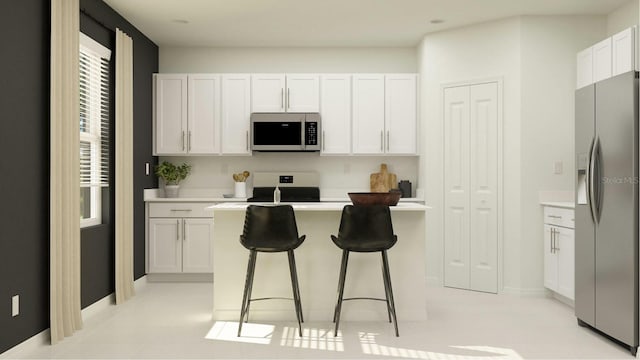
94, 128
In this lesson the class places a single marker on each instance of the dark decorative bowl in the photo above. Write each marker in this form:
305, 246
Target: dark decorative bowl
390, 198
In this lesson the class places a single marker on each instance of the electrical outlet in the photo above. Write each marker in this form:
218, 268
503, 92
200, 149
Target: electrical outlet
15, 305
557, 167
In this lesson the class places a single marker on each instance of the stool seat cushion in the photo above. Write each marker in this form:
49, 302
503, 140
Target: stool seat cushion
270, 229
365, 228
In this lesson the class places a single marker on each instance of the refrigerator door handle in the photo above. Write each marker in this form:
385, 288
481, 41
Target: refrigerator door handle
597, 177
591, 182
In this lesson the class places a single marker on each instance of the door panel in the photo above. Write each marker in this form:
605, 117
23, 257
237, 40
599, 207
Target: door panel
616, 232
336, 114
236, 112
165, 247
303, 93
456, 182
171, 113
204, 114
566, 264
585, 300
368, 114
483, 125
197, 255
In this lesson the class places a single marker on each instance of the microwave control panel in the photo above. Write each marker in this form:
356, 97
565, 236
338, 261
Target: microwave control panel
311, 131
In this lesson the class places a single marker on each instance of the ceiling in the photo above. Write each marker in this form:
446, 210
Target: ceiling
333, 23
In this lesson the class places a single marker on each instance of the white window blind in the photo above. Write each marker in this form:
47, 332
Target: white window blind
94, 113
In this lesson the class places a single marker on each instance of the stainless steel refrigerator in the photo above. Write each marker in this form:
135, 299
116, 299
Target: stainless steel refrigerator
606, 212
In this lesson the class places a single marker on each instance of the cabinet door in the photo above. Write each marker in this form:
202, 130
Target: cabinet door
170, 113
550, 258
565, 250
197, 256
623, 44
236, 112
336, 114
267, 93
165, 246
602, 60
368, 114
584, 73
401, 114
203, 136
303, 93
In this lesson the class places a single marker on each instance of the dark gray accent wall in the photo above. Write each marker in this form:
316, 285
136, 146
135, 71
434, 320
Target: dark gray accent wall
24, 143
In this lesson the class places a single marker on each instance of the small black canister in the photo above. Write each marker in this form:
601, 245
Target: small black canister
405, 188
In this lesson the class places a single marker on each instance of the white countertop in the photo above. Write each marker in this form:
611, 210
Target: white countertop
561, 204
313, 206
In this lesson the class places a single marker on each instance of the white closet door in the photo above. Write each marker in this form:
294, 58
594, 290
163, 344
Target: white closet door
483, 171
456, 182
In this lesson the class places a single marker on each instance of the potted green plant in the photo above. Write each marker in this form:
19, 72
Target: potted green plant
172, 175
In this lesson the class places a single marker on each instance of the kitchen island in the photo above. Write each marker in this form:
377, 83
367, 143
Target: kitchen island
318, 265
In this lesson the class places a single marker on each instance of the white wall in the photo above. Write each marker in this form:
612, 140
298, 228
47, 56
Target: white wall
338, 174
535, 57
622, 18
548, 67
291, 60
470, 53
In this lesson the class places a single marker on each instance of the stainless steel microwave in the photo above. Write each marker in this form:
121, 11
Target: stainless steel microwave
285, 131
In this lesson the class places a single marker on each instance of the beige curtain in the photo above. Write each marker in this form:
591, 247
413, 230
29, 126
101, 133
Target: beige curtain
124, 167
65, 171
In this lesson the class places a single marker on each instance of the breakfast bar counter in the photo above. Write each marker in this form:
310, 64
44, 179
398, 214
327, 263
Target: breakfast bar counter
318, 266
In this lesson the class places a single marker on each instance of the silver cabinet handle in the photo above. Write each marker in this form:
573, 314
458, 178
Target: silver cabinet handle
555, 216
551, 240
387, 140
183, 141
288, 98
247, 140
381, 140
177, 230
184, 230
323, 140
282, 98
181, 209
189, 141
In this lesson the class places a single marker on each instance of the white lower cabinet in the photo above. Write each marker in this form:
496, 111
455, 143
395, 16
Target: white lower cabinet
180, 243
559, 253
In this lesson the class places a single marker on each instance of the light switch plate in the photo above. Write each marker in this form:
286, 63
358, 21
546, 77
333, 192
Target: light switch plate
15, 305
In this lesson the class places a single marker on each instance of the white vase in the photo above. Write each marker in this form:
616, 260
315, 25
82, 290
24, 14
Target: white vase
240, 189
171, 191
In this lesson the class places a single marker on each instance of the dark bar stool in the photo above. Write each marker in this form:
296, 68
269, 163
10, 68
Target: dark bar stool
270, 229
365, 229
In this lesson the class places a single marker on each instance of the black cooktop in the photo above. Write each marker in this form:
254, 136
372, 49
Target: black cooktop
287, 194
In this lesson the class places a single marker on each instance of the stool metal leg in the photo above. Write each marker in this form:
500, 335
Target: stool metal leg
295, 289
343, 275
386, 292
387, 279
248, 284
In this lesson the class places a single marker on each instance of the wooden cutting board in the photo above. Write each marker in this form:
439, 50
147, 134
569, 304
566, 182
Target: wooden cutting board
383, 181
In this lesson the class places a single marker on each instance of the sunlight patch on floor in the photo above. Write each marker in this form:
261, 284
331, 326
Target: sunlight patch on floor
251, 332
371, 347
312, 338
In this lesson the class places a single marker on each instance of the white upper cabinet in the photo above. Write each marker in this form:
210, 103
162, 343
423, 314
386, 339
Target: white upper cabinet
385, 114
610, 57
236, 113
267, 93
170, 124
187, 113
335, 112
623, 52
303, 93
368, 114
602, 60
400, 93
285, 93
584, 75
203, 134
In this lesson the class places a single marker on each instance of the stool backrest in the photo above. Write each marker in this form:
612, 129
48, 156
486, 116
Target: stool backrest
366, 228
270, 228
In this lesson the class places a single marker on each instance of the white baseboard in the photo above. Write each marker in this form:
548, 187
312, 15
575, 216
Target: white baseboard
524, 292
186, 277
43, 338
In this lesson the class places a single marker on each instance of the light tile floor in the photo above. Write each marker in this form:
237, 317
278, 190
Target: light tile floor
173, 321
